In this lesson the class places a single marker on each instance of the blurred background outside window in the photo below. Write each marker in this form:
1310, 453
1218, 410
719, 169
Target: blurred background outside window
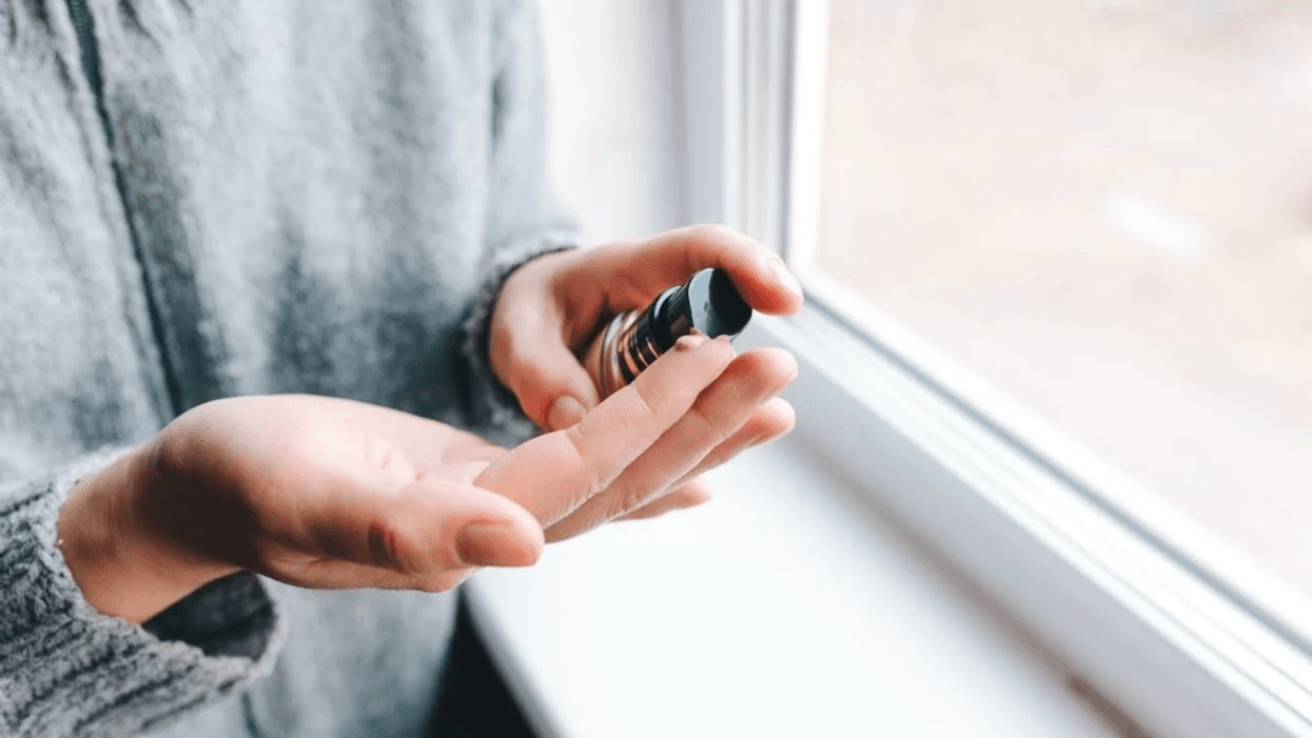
1104, 209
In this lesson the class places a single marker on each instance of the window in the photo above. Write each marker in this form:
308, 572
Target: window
1059, 258
1104, 209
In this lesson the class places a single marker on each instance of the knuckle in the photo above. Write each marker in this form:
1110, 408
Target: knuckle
633, 499
643, 404
711, 429
590, 480
614, 250
624, 502
519, 362
578, 443
712, 232
389, 548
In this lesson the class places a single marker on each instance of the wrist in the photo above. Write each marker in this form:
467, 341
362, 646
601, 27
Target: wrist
117, 556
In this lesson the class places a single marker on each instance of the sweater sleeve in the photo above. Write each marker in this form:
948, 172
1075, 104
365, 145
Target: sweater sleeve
524, 219
67, 670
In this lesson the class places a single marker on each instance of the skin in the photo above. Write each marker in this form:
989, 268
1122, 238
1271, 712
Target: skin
330, 493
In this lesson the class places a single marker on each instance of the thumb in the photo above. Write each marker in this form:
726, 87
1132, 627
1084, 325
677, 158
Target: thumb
553, 388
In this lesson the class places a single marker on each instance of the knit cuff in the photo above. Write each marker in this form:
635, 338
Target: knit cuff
494, 410
66, 669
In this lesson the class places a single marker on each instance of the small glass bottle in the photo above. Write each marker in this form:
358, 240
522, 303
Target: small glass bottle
708, 304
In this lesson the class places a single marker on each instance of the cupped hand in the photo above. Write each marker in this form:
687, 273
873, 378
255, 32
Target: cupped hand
313, 491
550, 309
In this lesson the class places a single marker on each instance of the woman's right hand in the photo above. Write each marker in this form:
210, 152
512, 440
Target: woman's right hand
330, 493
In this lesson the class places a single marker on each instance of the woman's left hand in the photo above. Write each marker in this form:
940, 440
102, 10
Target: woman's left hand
551, 308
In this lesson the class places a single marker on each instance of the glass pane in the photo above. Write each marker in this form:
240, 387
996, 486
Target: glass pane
1104, 208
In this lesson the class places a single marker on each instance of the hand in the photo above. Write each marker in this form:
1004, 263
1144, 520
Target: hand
313, 491
329, 493
551, 308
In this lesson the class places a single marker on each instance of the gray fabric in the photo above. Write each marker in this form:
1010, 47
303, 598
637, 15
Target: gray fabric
294, 196
66, 669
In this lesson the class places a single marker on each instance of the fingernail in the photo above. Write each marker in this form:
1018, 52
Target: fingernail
689, 342
564, 412
785, 276
486, 544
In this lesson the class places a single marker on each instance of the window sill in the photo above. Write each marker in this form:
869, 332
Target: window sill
784, 607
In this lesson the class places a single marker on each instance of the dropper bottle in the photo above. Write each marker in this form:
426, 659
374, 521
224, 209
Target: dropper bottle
708, 304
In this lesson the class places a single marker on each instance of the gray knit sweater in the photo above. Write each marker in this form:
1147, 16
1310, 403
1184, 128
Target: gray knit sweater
203, 199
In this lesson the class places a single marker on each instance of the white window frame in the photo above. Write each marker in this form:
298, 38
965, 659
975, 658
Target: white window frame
1136, 601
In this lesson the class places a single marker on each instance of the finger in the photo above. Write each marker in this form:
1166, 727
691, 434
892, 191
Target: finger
419, 534
636, 273
769, 422
717, 414
689, 495
553, 388
553, 474
539, 367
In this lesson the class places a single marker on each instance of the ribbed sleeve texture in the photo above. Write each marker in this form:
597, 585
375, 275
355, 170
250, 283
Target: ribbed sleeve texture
66, 669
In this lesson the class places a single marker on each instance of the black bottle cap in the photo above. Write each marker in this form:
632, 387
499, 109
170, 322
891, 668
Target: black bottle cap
707, 303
